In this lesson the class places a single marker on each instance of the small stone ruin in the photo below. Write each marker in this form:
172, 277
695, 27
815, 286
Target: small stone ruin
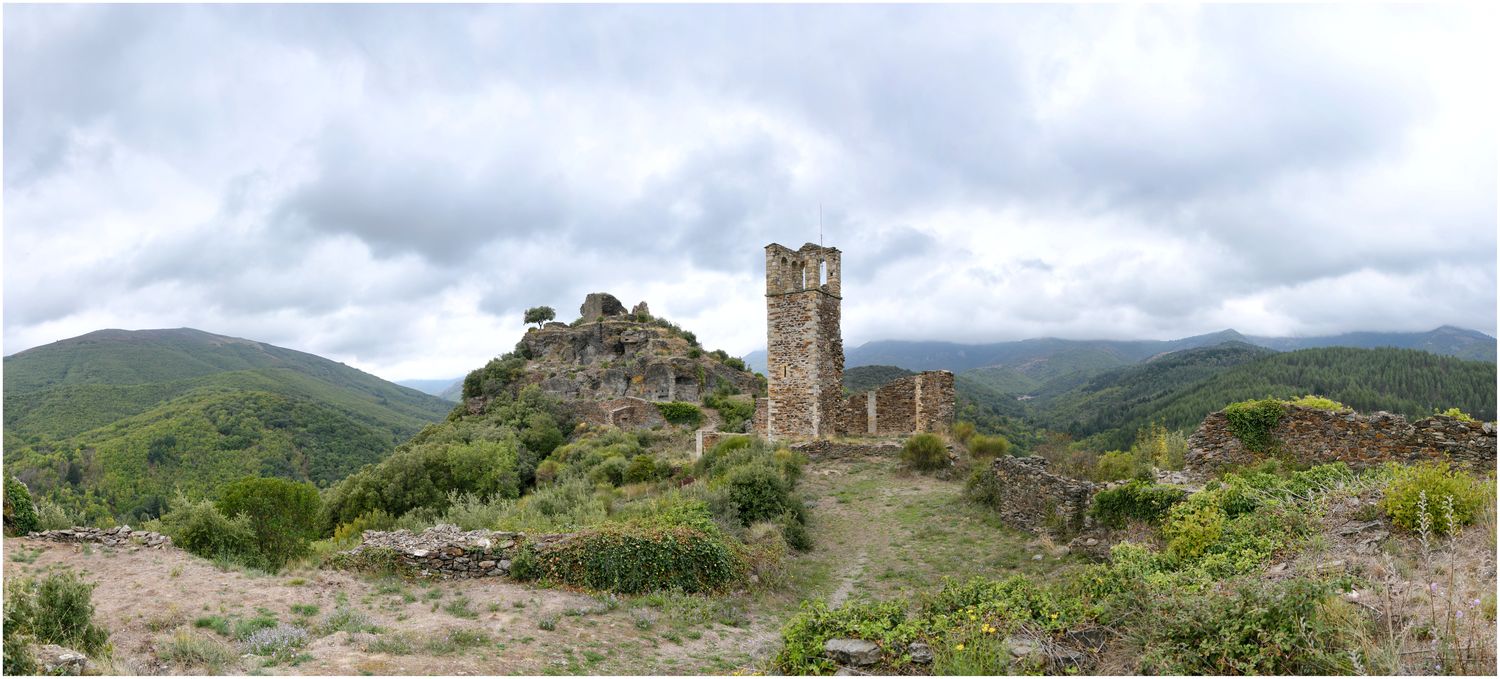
109, 537
445, 551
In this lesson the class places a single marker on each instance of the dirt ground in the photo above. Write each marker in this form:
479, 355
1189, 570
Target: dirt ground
878, 531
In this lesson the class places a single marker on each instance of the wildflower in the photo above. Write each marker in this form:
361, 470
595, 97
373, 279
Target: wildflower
959, 647
1458, 614
1433, 587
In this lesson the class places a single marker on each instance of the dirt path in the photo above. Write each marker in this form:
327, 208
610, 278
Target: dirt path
877, 532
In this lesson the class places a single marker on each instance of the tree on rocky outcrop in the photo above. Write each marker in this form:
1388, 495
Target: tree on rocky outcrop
540, 315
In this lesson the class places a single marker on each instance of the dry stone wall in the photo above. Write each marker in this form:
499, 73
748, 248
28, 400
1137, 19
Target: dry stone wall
1313, 436
445, 551
626, 413
119, 536
1028, 496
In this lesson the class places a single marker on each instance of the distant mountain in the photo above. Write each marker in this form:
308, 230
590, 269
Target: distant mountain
1446, 341
867, 377
115, 419
436, 387
1180, 388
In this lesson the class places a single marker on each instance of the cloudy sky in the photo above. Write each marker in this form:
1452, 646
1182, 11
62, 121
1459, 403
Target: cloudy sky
392, 186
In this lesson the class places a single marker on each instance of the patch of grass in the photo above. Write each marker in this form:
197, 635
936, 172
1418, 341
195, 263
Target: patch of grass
24, 555
305, 610
391, 644
456, 640
459, 607
297, 582
189, 649
548, 623
346, 619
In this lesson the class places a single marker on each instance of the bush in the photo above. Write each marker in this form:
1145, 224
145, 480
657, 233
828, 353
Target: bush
1278, 628
1320, 403
1253, 421
735, 411
642, 468
1135, 500
524, 565
610, 471
1118, 465
52, 516
282, 514
963, 431
1457, 414
548, 471
634, 558
1432, 493
758, 492
681, 413
1193, 526
57, 610
354, 531
1161, 447
199, 527
988, 447
925, 452
20, 511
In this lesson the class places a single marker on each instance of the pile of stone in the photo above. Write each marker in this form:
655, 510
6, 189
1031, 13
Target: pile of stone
109, 537
446, 551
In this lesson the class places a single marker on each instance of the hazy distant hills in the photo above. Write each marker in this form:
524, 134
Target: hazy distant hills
1032, 355
124, 416
446, 389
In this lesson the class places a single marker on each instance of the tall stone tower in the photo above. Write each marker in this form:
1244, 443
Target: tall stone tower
804, 347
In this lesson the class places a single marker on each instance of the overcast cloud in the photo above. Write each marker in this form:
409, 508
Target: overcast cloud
392, 186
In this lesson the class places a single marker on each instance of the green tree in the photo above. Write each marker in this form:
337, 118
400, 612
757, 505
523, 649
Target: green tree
540, 315
282, 514
20, 511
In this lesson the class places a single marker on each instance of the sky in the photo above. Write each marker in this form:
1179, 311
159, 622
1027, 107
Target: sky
392, 186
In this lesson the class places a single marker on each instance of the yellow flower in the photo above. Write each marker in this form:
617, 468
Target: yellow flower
959, 647
1054, 616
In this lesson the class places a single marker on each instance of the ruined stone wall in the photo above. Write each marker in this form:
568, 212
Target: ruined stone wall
1030, 497
916, 403
804, 344
824, 449
935, 401
1313, 436
762, 404
119, 536
444, 551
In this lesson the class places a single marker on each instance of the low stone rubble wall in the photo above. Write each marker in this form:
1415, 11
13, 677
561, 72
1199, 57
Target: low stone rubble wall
445, 551
1028, 496
109, 537
1313, 436
824, 449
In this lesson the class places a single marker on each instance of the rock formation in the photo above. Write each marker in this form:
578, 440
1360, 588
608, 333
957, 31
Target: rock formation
600, 305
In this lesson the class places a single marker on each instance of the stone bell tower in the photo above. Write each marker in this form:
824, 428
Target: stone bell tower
804, 346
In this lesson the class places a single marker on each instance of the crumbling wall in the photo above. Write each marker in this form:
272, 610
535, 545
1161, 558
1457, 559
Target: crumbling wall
1312, 436
706, 440
445, 551
1028, 496
119, 536
916, 403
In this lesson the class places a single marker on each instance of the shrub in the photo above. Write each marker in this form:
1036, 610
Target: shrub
191, 649
1320, 403
681, 413
20, 511
642, 468
52, 516
58, 609
610, 471
548, 471
1118, 465
1424, 492
963, 431
794, 529
925, 452
354, 531
758, 492
199, 527
1135, 500
735, 411
635, 558
1253, 421
1160, 447
280, 642
1276, 628
524, 564
1457, 414
282, 514
1193, 526
988, 447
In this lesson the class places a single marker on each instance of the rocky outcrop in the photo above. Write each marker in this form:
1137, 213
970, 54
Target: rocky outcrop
54, 660
1313, 436
119, 536
1030, 497
640, 310
600, 305
445, 551
619, 357
626, 413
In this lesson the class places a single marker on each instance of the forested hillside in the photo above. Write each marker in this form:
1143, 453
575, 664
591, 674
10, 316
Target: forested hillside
113, 421
1178, 390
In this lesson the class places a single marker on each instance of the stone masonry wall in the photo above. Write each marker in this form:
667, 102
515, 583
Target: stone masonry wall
916, 403
444, 551
706, 440
1029, 497
1312, 436
804, 345
119, 536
